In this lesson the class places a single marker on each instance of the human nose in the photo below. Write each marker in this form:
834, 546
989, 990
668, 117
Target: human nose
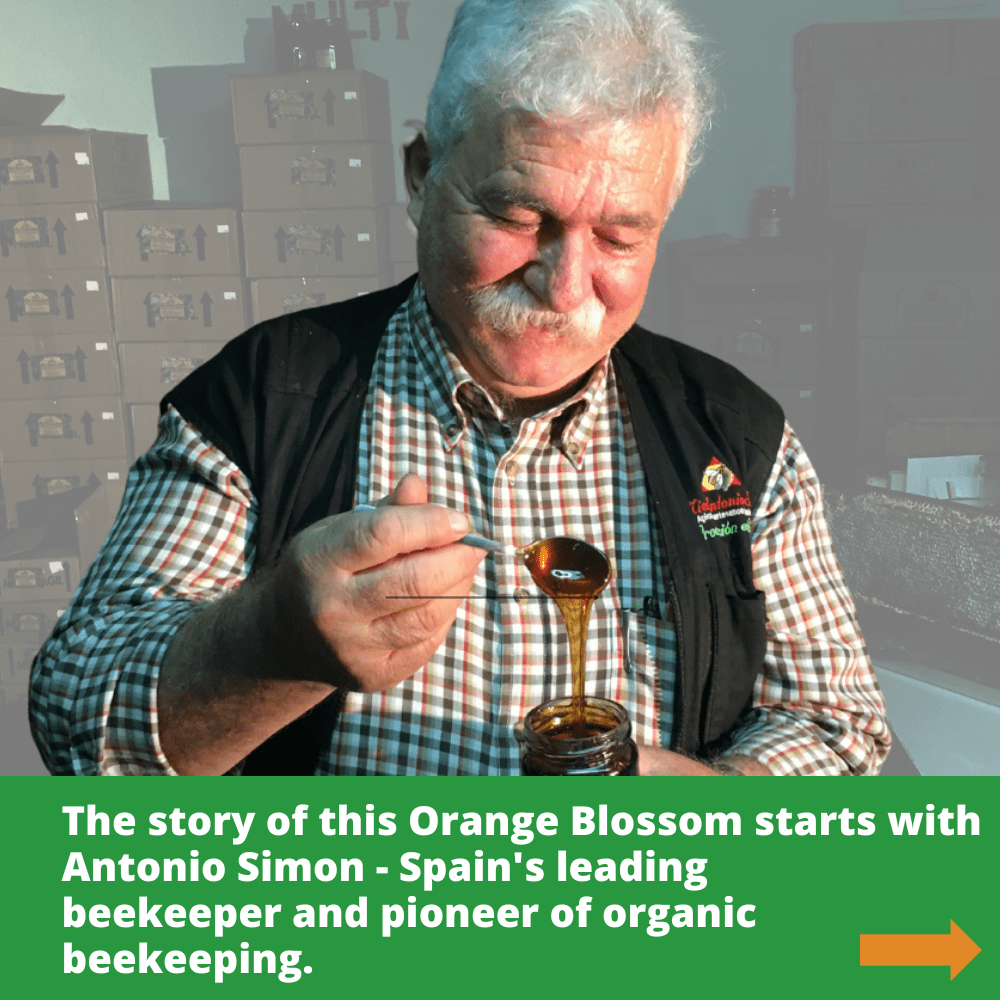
560, 274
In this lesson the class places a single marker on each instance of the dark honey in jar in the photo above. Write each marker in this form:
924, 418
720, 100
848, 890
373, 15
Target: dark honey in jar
555, 742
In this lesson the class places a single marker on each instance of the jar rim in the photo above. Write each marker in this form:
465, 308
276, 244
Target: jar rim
596, 710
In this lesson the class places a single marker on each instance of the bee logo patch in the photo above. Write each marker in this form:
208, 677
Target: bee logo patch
718, 477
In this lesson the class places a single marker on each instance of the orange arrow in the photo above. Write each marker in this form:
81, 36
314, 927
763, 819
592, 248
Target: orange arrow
956, 949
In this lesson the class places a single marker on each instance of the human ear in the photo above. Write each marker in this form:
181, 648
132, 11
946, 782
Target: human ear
416, 166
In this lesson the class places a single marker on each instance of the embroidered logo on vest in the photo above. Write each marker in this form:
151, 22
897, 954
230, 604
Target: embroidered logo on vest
721, 516
718, 477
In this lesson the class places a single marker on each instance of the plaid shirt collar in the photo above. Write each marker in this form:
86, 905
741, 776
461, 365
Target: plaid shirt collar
456, 398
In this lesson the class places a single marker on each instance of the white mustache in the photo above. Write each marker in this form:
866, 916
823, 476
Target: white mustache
509, 309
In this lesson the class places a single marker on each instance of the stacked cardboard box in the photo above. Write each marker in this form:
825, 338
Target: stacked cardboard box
928, 343
61, 422
897, 120
318, 177
178, 296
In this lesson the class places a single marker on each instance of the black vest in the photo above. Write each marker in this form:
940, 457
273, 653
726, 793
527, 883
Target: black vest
284, 402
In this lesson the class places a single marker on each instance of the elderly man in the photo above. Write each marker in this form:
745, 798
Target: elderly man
506, 391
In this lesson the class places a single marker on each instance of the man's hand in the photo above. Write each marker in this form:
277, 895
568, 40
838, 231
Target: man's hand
658, 762
374, 582
348, 604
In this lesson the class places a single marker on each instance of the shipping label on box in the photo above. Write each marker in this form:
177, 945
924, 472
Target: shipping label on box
150, 371
872, 50
62, 428
773, 350
273, 297
904, 369
929, 304
53, 575
39, 367
26, 623
60, 164
324, 106
50, 237
39, 303
44, 479
194, 308
324, 175
901, 110
163, 240
317, 243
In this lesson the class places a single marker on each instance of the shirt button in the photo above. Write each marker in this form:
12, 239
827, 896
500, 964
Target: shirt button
511, 468
522, 595
573, 449
452, 429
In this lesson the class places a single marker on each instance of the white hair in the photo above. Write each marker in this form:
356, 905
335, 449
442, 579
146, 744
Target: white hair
592, 61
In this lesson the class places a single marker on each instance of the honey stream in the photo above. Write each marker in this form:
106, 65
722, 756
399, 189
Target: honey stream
573, 573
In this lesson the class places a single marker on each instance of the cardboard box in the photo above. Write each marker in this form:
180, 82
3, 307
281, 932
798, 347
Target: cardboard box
55, 163
93, 520
144, 421
863, 216
57, 365
929, 304
15, 662
49, 575
316, 243
88, 427
162, 239
800, 404
193, 308
278, 296
50, 237
939, 245
25, 623
39, 303
886, 173
72, 479
903, 370
319, 106
922, 109
872, 50
402, 235
321, 175
944, 437
401, 270
977, 42
776, 351
150, 371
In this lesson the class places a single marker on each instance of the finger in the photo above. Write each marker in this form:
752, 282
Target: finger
411, 580
409, 491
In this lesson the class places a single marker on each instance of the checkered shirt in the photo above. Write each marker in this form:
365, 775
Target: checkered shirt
185, 534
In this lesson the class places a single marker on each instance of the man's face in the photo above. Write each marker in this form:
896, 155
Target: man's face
536, 247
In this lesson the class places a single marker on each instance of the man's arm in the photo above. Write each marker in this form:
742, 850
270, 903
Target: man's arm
343, 607
238, 668
817, 707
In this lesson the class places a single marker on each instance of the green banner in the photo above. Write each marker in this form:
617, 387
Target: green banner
487, 887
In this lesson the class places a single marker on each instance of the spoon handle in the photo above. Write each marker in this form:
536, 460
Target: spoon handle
476, 541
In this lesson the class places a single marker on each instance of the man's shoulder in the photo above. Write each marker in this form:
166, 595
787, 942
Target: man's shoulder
698, 376
298, 353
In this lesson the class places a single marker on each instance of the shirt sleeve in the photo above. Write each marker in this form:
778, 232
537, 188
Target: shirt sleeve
183, 535
817, 707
